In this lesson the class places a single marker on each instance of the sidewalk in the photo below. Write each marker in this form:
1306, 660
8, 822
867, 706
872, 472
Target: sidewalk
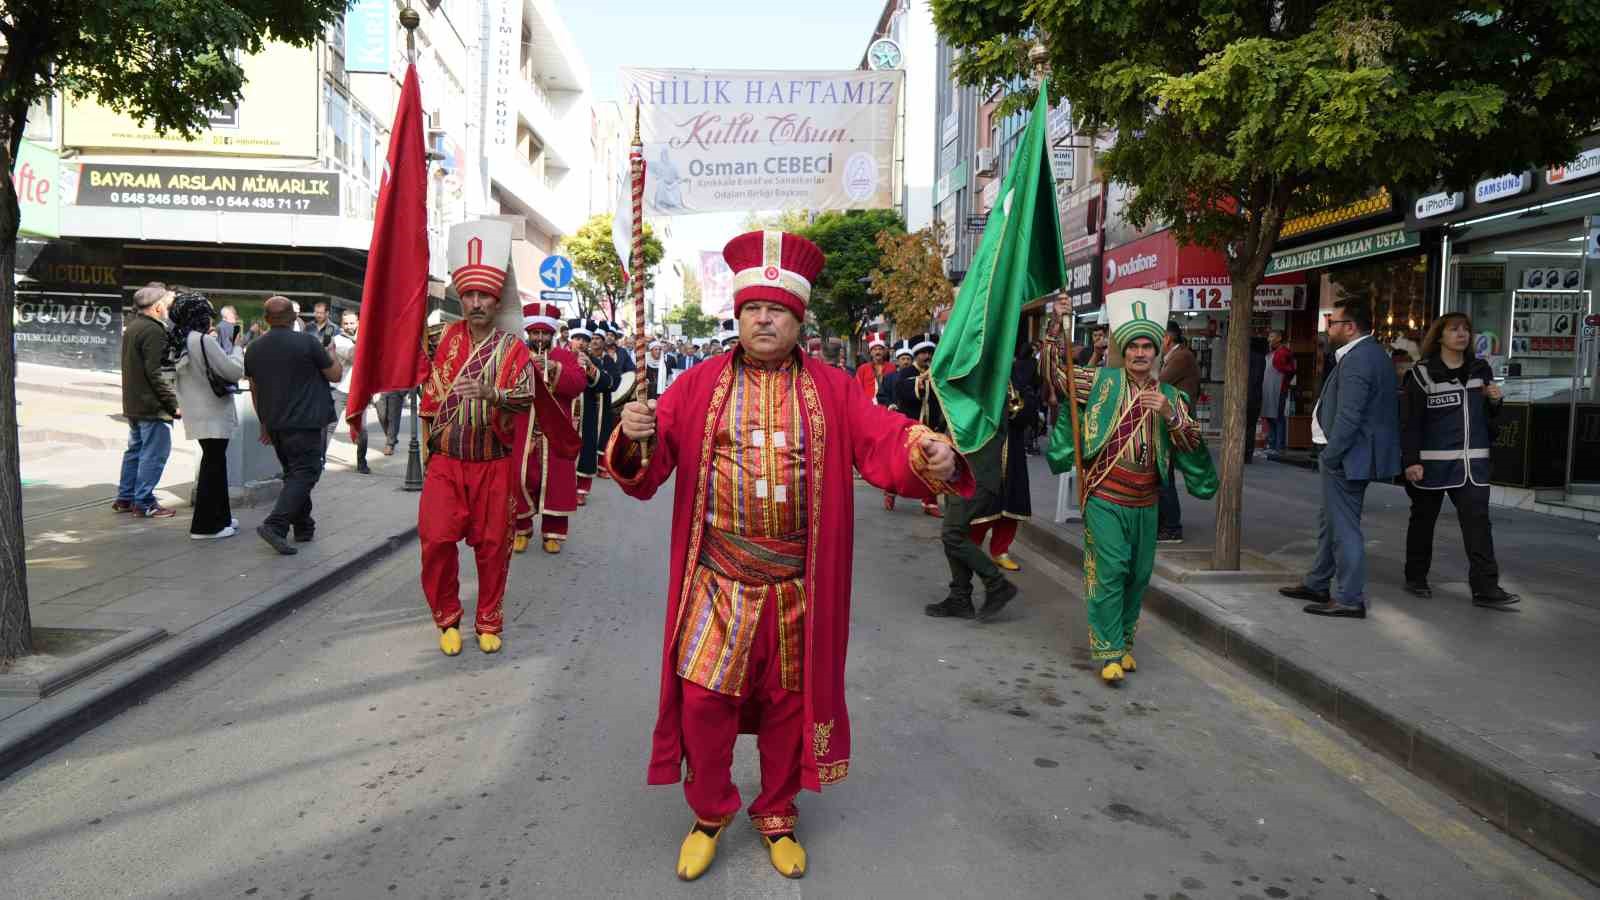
135, 601
1496, 707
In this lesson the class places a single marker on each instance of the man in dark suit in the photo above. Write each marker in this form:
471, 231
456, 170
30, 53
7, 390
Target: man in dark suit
1357, 423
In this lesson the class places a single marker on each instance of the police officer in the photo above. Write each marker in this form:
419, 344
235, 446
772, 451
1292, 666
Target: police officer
1450, 400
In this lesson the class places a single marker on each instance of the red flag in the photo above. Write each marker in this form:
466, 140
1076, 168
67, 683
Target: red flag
394, 298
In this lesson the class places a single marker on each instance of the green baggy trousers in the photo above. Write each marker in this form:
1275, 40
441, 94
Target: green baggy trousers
1119, 553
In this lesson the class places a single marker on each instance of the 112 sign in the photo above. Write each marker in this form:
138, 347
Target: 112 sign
1201, 297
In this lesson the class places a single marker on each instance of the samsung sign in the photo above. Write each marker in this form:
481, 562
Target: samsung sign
1439, 204
1502, 186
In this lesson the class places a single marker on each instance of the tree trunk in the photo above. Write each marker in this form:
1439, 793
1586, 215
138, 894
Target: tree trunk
16, 625
1235, 430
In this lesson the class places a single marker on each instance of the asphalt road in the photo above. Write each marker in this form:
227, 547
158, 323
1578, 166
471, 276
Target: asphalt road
338, 754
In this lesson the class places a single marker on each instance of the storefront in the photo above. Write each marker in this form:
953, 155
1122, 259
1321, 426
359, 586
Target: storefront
1385, 266
1519, 255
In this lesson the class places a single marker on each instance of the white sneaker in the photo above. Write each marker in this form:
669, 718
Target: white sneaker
228, 532
234, 524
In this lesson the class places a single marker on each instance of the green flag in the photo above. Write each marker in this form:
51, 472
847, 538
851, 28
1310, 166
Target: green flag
1018, 260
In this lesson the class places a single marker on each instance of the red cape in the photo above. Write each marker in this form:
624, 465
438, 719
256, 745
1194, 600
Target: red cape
558, 483
844, 430
868, 378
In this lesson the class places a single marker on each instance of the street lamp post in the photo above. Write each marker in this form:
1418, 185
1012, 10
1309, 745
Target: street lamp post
410, 19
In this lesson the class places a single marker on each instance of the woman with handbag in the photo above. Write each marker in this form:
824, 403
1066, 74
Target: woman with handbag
207, 380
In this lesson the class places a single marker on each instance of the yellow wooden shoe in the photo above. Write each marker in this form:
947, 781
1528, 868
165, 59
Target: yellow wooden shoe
489, 643
1112, 673
1128, 664
519, 544
788, 857
697, 852
1005, 561
551, 545
450, 641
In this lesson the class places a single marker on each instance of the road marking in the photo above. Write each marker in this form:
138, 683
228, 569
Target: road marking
1479, 852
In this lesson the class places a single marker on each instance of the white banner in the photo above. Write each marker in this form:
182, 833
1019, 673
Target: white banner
502, 23
716, 141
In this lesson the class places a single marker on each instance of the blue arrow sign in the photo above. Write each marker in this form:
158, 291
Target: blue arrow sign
555, 272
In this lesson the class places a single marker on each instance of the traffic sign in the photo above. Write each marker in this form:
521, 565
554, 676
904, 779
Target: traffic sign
556, 296
555, 272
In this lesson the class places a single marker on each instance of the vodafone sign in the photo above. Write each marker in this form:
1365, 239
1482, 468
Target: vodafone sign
1123, 271
1148, 262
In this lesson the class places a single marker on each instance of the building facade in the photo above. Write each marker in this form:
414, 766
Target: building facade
277, 195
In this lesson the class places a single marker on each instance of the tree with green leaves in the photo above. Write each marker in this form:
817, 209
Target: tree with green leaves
164, 64
597, 277
688, 313
792, 220
841, 300
1231, 116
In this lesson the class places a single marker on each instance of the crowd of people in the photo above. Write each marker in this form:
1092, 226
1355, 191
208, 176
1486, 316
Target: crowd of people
522, 410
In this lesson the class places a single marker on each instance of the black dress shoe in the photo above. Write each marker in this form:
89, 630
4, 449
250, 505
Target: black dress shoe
363, 469
996, 600
1301, 592
950, 608
276, 540
1336, 610
305, 537
1496, 599
1419, 589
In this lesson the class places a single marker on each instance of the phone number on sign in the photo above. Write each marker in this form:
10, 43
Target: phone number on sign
204, 201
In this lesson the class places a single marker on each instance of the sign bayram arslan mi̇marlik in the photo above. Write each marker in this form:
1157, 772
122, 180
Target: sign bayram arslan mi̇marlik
716, 141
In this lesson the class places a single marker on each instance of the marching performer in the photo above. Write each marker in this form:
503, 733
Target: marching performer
478, 384
548, 480
596, 394
1132, 424
871, 373
763, 440
914, 397
728, 335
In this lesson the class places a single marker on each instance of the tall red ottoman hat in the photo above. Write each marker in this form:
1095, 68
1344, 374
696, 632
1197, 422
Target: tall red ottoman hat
775, 266
543, 316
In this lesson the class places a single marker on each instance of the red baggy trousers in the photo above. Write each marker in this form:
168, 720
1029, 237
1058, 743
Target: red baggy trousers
469, 501
711, 725
1004, 530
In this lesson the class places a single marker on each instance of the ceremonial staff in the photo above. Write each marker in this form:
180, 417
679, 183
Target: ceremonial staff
636, 266
1054, 323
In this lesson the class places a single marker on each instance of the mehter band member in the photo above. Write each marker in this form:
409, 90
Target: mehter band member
477, 386
549, 480
598, 383
763, 439
1132, 425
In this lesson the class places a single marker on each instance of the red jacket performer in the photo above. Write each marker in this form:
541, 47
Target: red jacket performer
477, 386
758, 606
548, 481
871, 373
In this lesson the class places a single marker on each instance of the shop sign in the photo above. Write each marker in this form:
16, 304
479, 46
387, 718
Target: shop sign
1061, 163
1586, 164
1080, 285
989, 194
296, 191
1130, 266
37, 180
1391, 240
69, 328
1269, 297
951, 127
975, 224
1500, 187
1439, 204
368, 35
1593, 250
949, 182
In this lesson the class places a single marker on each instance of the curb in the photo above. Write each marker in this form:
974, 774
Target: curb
90, 392
1526, 803
43, 730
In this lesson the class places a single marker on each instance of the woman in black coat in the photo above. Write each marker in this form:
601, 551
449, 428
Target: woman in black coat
1450, 403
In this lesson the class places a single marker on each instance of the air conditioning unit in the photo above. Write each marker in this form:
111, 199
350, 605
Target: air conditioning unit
436, 121
985, 164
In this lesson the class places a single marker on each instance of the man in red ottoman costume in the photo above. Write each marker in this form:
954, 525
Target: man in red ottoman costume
549, 480
758, 607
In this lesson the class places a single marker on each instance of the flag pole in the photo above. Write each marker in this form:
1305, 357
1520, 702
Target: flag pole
410, 19
636, 267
